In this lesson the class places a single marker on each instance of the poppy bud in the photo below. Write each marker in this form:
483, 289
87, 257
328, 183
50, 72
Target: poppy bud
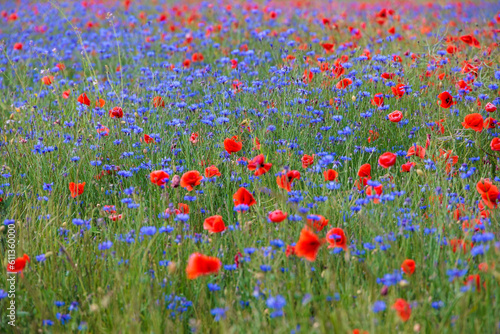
172, 267
353, 98
176, 181
420, 172
403, 283
2, 228
64, 224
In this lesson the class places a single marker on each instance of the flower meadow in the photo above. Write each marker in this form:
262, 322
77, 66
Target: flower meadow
250, 166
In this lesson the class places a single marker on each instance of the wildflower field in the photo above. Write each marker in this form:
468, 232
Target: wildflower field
249, 167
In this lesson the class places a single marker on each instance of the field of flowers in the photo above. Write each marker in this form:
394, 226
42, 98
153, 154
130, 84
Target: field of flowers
249, 167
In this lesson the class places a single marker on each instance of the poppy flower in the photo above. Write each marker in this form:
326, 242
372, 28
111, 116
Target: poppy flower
200, 265
214, 224
277, 216
76, 189
490, 107
490, 123
212, 171
159, 177
483, 186
243, 196
191, 179
470, 40
18, 46
66, 94
60, 66
495, 144
285, 180
398, 90
100, 103
18, 265
387, 159
408, 266
344, 83
307, 160
318, 222
416, 150
403, 309
374, 191
290, 250
47, 80
103, 131
328, 47
83, 99
490, 198
446, 100
365, 170
308, 245
388, 76
158, 102
148, 139
183, 208
116, 112
194, 137
330, 175
395, 116
231, 145
459, 243
378, 100
407, 166
473, 121
474, 280
336, 238
258, 165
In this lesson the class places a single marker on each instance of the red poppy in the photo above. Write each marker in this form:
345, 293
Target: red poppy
116, 112
483, 186
200, 265
490, 198
375, 192
403, 309
212, 171
308, 245
473, 121
328, 46
100, 103
378, 100
285, 180
66, 94
490, 107
83, 99
365, 170
158, 102
214, 224
399, 90
194, 137
387, 159
76, 188
336, 238
191, 179
344, 83
456, 243
495, 144
18, 265
18, 46
290, 250
388, 76
318, 222
159, 177
258, 165
446, 100
408, 266
103, 131
474, 280
148, 139
330, 175
395, 116
470, 40
186, 63
232, 145
243, 196
277, 216
47, 80
407, 166
416, 150
183, 208
307, 160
